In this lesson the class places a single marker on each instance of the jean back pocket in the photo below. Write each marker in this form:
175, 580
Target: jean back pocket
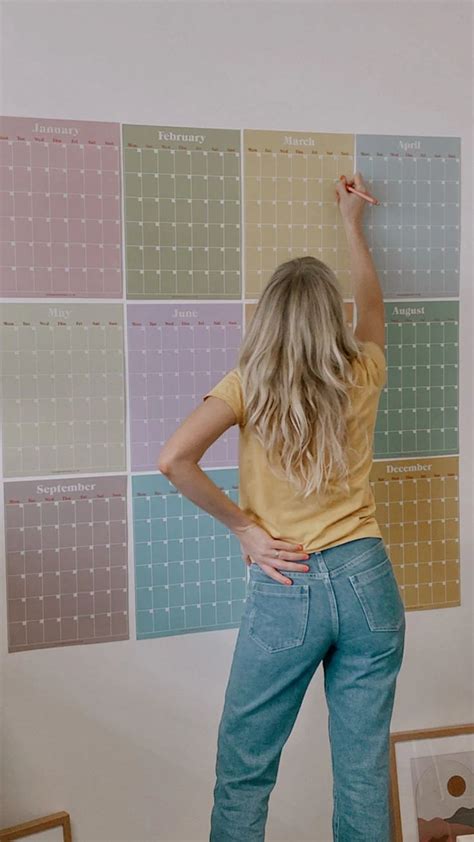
377, 591
278, 615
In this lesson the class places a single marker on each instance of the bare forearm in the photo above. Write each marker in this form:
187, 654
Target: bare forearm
366, 284
194, 483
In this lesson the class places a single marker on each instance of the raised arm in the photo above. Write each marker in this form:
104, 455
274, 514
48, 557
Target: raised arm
367, 290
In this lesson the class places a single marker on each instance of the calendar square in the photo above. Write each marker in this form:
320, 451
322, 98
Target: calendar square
289, 181
189, 571
182, 212
60, 199
66, 561
418, 513
62, 376
176, 354
418, 182
418, 408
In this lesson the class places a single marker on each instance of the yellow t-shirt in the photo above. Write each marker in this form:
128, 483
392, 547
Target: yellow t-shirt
273, 503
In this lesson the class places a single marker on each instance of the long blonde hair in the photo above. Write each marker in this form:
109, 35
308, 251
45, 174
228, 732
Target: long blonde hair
295, 364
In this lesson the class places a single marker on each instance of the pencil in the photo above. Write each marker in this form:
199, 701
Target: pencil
365, 196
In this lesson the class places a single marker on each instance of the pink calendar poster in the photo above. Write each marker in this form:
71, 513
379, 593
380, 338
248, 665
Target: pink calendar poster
60, 201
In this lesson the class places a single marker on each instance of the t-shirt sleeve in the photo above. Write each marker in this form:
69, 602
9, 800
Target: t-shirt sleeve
229, 389
375, 364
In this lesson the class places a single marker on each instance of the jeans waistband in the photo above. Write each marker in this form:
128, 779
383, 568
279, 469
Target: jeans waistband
334, 561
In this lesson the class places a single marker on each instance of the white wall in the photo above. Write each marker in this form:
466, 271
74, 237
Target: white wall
123, 734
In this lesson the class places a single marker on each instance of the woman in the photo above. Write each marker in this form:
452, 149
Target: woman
305, 394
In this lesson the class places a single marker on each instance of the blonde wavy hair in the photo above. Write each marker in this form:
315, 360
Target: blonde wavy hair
295, 364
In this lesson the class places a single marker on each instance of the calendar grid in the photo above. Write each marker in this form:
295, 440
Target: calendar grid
414, 236
289, 204
418, 513
60, 197
188, 566
66, 557
175, 356
418, 409
187, 180
64, 377
77, 403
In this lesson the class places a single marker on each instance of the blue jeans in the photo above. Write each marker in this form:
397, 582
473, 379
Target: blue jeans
347, 612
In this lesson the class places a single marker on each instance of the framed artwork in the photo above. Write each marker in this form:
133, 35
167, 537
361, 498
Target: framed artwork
44, 828
432, 784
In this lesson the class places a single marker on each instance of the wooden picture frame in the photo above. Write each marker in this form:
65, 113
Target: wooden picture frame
19, 831
432, 783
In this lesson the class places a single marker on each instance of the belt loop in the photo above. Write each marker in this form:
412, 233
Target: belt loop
322, 565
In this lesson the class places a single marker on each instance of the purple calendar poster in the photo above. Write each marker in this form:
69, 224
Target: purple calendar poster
176, 353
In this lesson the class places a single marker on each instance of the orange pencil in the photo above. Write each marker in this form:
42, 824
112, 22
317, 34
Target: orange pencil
365, 196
